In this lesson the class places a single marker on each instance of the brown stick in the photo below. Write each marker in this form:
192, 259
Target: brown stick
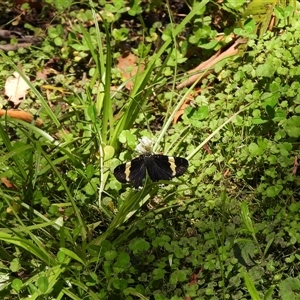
9, 47
21, 115
206, 67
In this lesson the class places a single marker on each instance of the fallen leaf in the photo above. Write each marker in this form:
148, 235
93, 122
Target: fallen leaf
227, 173
207, 149
43, 74
129, 66
180, 112
296, 165
193, 280
8, 183
16, 88
49, 68
185, 104
14, 206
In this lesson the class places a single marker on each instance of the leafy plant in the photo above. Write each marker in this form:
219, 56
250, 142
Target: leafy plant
227, 229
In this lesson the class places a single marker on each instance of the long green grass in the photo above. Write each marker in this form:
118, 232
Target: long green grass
70, 230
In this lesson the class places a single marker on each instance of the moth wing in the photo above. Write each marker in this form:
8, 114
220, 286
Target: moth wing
158, 168
121, 172
181, 164
162, 167
133, 171
137, 171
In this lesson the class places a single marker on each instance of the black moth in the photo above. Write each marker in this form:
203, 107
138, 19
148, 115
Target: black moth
159, 167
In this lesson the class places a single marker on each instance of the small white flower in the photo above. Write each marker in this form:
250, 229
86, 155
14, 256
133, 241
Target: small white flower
145, 145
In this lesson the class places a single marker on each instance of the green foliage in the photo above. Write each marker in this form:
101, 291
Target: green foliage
227, 229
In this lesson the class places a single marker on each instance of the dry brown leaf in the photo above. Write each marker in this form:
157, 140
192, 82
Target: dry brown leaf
14, 206
185, 104
8, 183
180, 112
41, 75
16, 88
227, 173
296, 165
194, 280
129, 67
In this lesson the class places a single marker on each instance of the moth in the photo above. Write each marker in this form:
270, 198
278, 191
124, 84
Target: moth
159, 167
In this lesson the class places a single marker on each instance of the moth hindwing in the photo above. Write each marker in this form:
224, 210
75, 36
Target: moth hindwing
158, 167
